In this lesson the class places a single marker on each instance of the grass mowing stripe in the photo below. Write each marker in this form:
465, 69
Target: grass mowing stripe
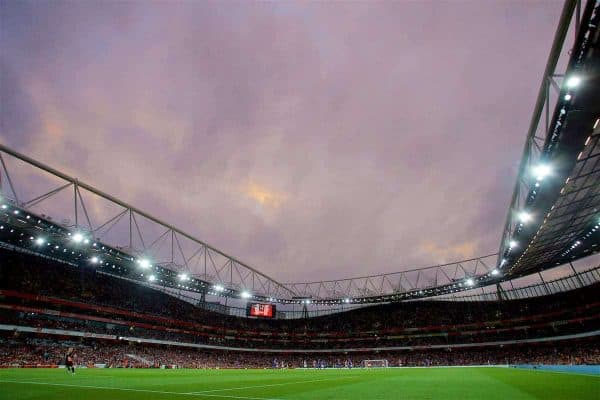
136, 390
272, 384
383, 384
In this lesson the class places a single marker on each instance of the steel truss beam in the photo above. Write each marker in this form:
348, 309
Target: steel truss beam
110, 221
171, 247
413, 280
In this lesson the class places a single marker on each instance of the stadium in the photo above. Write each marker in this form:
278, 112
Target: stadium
101, 299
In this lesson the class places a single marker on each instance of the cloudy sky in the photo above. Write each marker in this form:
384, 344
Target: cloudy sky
311, 140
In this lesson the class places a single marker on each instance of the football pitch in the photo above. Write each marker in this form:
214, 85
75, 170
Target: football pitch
384, 384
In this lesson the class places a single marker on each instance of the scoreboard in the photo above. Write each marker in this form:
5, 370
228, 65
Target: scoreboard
260, 310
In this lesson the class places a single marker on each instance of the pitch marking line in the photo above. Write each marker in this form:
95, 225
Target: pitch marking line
137, 390
269, 385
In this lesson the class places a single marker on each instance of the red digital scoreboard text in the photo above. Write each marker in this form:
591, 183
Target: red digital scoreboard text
261, 310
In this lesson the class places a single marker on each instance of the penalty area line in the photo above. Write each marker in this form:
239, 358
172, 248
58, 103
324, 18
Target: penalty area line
223, 396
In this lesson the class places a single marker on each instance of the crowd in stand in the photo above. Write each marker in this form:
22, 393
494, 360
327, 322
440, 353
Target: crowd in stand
170, 333
31, 352
401, 324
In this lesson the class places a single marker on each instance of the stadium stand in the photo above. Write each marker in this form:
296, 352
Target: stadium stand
46, 305
35, 352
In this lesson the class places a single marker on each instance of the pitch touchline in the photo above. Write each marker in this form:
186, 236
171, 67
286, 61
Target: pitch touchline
269, 385
559, 372
137, 390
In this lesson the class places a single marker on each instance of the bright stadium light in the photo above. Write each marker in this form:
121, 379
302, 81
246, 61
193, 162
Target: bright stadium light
573, 82
470, 282
568, 97
512, 244
95, 260
77, 238
346, 300
39, 241
541, 171
144, 263
524, 217
245, 295
4, 206
495, 272
218, 288
183, 277
151, 278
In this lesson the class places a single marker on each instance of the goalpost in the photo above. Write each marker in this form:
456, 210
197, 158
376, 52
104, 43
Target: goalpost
375, 363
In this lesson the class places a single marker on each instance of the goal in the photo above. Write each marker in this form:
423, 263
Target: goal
375, 363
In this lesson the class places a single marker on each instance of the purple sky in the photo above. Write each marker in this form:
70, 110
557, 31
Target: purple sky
311, 140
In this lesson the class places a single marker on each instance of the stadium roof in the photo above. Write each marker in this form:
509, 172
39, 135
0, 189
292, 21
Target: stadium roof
553, 217
555, 210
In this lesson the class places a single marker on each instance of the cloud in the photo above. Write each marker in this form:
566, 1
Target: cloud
311, 140
456, 252
262, 195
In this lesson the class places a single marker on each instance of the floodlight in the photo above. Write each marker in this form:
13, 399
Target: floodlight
346, 300
151, 278
218, 288
245, 295
524, 217
512, 244
470, 282
183, 277
39, 241
573, 81
541, 171
95, 260
78, 237
16, 212
4, 206
568, 97
495, 272
144, 263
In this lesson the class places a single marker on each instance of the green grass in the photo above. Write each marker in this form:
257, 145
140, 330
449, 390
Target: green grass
376, 384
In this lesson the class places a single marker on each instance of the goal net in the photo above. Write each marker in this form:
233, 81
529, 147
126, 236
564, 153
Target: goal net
375, 363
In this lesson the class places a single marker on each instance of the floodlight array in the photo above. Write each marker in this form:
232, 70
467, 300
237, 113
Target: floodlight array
576, 100
76, 246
